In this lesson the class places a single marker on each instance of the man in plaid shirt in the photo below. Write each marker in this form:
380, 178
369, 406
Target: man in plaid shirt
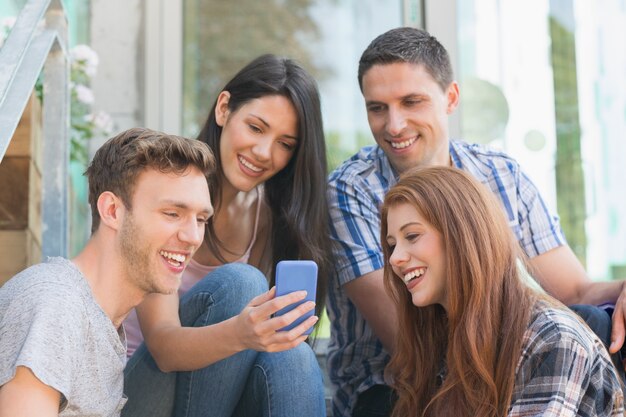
406, 80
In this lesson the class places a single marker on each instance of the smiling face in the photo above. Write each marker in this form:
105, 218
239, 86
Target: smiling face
163, 228
417, 255
258, 139
408, 114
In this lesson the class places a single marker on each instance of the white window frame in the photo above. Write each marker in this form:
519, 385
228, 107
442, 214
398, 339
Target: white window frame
163, 65
440, 18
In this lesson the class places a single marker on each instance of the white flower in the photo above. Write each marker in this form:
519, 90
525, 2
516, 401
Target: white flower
101, 120
8, 23
85, 59
5, 27
84, 94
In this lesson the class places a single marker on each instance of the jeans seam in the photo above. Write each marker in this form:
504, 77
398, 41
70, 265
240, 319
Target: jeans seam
267, 389
208, 305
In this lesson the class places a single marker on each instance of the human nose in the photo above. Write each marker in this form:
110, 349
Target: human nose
262, 149
192, 232
398, 256
396, 122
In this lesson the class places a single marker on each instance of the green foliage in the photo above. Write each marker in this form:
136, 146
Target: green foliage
337, 151
214, 52
485, 112
569, 172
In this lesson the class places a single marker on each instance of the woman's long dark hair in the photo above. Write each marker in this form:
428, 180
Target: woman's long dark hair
296, 195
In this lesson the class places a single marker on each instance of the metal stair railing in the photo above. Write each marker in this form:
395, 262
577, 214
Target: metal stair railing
37, 41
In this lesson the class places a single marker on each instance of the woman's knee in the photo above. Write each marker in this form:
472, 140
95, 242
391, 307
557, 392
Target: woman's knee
301, 358
304, 357
597, 319
222, 294
242, 279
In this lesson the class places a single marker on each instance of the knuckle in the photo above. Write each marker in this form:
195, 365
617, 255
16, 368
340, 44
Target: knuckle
252, 316
283, 321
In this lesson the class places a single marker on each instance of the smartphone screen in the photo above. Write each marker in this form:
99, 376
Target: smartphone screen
295, 276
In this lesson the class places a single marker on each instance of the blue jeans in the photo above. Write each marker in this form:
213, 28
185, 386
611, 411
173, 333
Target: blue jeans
248, 383
599, 319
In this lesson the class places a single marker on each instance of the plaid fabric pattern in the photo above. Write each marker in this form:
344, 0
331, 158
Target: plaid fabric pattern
356, 358
564, 370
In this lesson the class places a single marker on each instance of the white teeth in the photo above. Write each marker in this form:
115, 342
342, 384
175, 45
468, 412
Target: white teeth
414, 274
402, 145
249, 165
179, 258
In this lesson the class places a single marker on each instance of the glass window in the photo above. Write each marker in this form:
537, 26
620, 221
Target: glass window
541, 83
78, 17
77, 12
11, 8
327, 37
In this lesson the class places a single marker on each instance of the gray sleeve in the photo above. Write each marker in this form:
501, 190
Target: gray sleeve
42, 329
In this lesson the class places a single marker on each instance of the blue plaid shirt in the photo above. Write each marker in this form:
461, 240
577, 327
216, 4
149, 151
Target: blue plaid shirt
356, 358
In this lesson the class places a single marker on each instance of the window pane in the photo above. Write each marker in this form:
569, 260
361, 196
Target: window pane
326, 37
548, 97
601, 65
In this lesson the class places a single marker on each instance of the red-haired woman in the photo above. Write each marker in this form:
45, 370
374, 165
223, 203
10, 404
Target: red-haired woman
474, 339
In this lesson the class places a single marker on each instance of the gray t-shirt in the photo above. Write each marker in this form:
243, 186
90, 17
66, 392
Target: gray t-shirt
51, 324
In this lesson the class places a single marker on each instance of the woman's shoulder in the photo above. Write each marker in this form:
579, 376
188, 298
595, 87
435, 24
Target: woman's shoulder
564, 366
553, 326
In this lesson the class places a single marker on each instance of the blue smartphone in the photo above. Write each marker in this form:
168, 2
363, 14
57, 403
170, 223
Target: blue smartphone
295, 276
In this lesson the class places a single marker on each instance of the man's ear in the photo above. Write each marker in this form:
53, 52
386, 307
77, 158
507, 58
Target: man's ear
221, 108
111, 210
453, 97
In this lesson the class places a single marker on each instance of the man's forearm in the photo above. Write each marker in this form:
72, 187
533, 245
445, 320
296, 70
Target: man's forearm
599, 292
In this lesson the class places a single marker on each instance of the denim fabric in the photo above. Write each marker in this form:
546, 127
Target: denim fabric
248, 383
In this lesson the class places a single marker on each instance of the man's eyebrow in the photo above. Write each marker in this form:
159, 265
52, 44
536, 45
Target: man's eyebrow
404, 97
175, 203
414, 95
184, 206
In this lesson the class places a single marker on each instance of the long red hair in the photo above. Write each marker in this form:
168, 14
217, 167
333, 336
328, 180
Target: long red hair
478, 340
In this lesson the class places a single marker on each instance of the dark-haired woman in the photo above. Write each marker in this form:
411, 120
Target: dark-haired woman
218, 351
474, 339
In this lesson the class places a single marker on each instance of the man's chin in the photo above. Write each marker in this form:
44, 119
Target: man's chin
166, 286
170, 288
